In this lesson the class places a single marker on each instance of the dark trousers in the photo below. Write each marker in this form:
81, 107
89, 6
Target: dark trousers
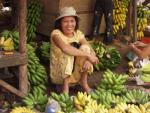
103, 7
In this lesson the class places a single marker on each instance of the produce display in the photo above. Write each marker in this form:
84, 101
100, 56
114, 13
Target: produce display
109, 57
110, 96
145, 73
143, 13
33, 19
22, 110
44, 51
36, 99
11, 34
119, 15
65, 102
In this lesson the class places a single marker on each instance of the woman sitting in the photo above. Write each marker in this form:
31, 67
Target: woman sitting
71, 56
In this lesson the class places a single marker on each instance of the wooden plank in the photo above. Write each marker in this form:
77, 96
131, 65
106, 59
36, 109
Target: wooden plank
11, 89
134, 20
129, 18
12, 60
23, 79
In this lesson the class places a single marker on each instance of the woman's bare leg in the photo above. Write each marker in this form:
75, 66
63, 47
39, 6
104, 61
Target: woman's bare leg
66, 82
84, 82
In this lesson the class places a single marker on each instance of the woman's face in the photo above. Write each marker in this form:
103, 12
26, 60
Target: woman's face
68, 25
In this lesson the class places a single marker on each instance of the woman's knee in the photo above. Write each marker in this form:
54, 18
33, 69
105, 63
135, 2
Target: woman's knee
85, 48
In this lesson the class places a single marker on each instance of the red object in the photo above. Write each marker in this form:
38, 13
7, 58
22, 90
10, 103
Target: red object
146, 40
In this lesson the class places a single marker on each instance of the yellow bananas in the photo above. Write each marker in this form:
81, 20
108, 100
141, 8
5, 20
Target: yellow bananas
119, 15
7, 45
22, 110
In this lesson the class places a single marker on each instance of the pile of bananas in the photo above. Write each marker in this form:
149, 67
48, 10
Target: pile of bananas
36, 99
65, 102
132, 70
94, 107
113, 82
106, 98
22, 110
145, 73
136, 97
11, 34
119, 15
129, 108
109, 57
81, 100
33, 18
7, 45
44, 51
36, 72
143, 13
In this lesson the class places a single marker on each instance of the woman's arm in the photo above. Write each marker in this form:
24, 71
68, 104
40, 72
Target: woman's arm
68, 49
141, 52
84, 41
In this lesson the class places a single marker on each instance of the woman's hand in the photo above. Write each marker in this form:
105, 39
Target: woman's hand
93, 59
139, 44
87, 65
132, 46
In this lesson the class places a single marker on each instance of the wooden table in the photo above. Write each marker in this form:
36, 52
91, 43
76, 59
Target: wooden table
15, 59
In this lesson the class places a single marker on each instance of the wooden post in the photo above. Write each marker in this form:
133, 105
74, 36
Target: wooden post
23, 79
129, 18
134, 20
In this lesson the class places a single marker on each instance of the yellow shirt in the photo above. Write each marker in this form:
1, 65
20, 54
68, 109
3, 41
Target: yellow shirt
59, 66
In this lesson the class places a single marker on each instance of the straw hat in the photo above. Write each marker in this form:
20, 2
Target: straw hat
67, 11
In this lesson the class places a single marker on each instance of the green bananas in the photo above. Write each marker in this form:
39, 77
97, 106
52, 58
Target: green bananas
65, 102
109, 57
113, 82
136, 96
36, 99
36, 72
33, 18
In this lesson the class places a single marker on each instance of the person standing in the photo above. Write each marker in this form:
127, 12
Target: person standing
103, 7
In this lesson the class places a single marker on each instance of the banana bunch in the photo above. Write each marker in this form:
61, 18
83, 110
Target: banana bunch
120, 108
136, 96
93, 107
11, 34
106, 98
81, 100
33, 18
36, 99
132, 70
119, 14
113, 82
132, 108
7, 44
145, 73
143, 14
44, 51
147, 107
36, 72
109, 56
65, 102
22, 110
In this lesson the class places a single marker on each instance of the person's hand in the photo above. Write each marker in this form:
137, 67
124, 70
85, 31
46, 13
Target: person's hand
87, 65
131, 46
93, 59
140, 44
